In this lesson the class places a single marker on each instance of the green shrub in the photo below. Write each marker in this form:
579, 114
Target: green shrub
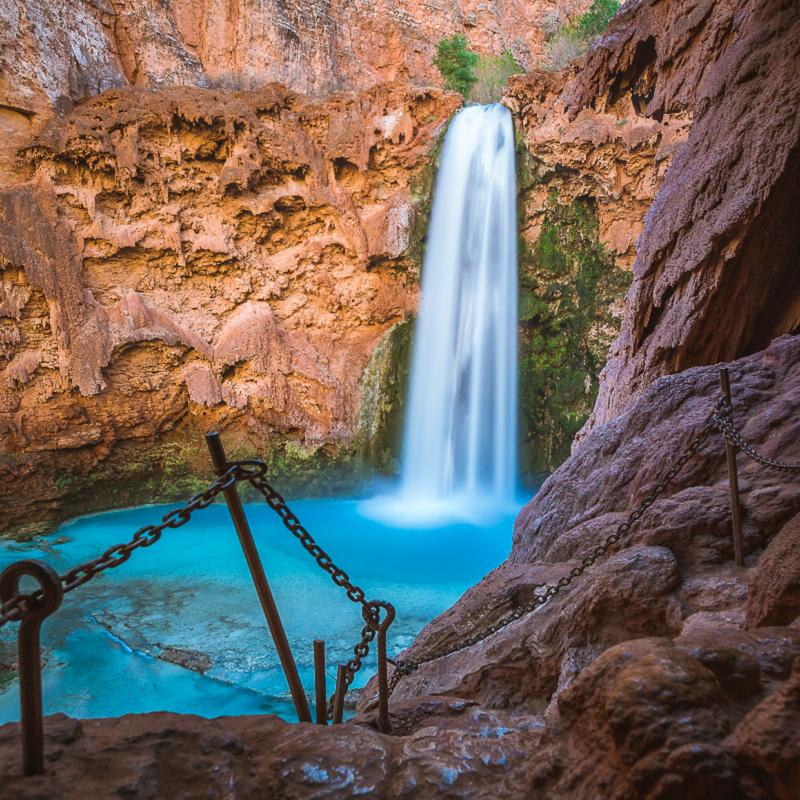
574, 40
456, 64
493, 73
594, 22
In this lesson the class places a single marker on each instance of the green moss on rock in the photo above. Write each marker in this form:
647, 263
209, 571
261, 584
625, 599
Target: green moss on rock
384, 392
570, 295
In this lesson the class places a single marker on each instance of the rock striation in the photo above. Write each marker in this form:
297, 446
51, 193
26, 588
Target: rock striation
192, 260
714, 274
58, 52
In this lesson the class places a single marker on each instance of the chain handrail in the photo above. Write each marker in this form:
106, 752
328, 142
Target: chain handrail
720, 418
14, 609
370, 609
723, 417
408, 666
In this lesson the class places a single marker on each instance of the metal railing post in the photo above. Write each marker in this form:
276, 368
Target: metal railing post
260, 580
30, 662
320, 688
733, 475
338, 697
381, 628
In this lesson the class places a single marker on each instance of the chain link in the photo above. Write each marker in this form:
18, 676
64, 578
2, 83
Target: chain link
370, 610
14, 609
723, 418
408, 666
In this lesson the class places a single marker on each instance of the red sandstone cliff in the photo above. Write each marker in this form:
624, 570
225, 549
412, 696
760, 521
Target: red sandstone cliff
54, 53
190, 260
680, 129
715, 274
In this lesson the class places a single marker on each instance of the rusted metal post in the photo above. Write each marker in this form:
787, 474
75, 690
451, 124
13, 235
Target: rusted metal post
221, 464
371, 614
733, 475
30, 662
319, 682
338, 697
383, 684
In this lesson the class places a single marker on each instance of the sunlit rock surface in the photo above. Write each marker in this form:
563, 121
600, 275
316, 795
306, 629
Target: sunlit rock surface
190, 260
614, 154
58, 52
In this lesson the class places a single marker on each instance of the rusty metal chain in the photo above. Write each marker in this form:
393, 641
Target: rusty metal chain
723, 418
408, 666
117, 555
370, 609
339, 576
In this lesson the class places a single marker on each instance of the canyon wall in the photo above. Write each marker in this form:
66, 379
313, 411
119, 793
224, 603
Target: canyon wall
190, 260
650, 154
54, 53
714, 276
584, 187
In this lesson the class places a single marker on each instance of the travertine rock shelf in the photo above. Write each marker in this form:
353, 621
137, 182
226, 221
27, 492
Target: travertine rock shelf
192, 260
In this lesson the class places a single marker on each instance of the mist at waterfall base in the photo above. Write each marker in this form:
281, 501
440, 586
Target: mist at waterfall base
459, 445
446, 525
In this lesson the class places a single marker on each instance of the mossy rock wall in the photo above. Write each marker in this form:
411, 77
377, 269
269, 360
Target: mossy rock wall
384, 397
571, 295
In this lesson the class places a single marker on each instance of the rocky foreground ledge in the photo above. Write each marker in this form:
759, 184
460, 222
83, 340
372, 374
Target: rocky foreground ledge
706, 716
665, 671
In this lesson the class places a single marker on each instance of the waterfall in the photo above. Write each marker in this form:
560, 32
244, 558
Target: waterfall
459, 445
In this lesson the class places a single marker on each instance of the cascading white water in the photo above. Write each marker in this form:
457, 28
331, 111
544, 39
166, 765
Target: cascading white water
460, 434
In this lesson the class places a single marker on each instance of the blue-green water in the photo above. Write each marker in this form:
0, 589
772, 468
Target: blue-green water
192, 591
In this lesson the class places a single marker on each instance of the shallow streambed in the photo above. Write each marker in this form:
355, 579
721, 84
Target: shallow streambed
192, 591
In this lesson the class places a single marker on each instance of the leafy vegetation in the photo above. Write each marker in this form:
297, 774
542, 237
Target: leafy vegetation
456, 64
480, 79
492, 74
384, 395
594, 22
575, 39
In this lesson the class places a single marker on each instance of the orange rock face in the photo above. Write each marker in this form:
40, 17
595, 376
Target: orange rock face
56, 52
612, 154
192, 260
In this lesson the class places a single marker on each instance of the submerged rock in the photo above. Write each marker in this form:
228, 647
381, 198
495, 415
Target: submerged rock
189, 659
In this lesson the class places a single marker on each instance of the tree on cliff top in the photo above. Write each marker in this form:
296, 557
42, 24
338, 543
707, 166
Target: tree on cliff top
456, 64
594, 22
